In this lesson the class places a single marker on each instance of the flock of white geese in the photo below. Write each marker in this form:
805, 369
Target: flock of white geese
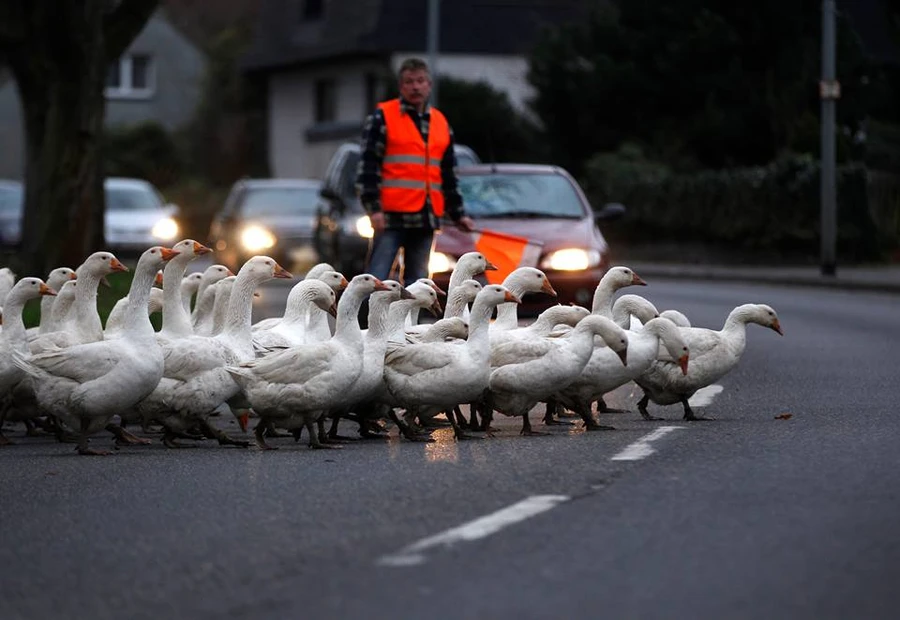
75, 376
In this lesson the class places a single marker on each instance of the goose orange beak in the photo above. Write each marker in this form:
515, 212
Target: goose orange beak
344, 283
117, 265
73, 275
623, 355
332, 309
636, 279
46, 290
683, 363
281, 272
158, 280
168, 253
777, 327
404, 294
200, 249
490, 266
437, 289
381, 286
548, 288
243, 419
510, 297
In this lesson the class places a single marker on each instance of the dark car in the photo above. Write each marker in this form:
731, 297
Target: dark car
275, 217
543, 204
343, 229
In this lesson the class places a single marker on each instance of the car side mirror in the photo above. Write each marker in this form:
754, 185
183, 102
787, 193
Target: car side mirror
328, 192
610, 211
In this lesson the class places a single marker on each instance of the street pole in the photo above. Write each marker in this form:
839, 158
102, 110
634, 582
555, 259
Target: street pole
434, 28
829, 92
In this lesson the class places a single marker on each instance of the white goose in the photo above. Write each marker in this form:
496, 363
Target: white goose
85, 385
467, 267
293, 388
604, 372
520, 282
13, 337
306, 298
204, 298
176, 320
632, 311
7, 280
526, 372
82, 324
116, 319
432, 377
312, 325
375, 337
195, 381
55, 280
190, 284
714, 353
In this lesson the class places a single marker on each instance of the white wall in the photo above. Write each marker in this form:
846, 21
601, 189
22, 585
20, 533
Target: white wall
292, 110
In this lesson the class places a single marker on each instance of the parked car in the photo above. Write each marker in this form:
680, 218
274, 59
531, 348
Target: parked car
275, 217
11, 196
136, 217
342, 229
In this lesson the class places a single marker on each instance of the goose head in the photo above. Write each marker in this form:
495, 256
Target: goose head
366, 283
761, 314
214, 273
431, 284
427, 295
190, 248
528, 280
322, 295
472, 263
30, 288
334, 279
614, 336
100, 264
264, 268
317, 270
59, 276
496, 294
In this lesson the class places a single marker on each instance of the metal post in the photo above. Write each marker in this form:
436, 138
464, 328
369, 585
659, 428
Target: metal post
434, 29
829, 91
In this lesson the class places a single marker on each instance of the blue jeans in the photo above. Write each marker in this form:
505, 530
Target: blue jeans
416, 244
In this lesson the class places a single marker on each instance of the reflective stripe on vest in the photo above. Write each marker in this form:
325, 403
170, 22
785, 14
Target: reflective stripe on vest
411, 169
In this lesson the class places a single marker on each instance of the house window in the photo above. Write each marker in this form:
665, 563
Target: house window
131, 77
326, 100
311, 10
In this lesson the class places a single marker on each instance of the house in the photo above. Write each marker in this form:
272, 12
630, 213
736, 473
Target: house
324, 62
158, 78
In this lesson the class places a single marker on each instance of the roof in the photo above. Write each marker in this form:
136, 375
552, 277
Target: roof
353, 28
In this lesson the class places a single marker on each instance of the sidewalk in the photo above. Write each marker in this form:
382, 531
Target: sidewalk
879, 278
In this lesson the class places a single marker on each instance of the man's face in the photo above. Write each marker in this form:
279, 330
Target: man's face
415, 86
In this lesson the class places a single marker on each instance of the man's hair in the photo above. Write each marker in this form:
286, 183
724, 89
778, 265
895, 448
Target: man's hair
413, 64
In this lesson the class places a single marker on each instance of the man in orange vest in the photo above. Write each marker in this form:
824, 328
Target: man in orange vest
407, 179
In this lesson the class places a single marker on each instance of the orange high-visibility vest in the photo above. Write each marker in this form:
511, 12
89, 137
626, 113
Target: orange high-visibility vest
412, 169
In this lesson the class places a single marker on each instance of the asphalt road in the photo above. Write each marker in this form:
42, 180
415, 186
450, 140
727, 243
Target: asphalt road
746, 516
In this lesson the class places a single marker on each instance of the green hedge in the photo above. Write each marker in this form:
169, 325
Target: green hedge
773, 209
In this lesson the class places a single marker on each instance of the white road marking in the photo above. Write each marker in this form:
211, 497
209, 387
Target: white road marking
473, 530
705, 395
641, 448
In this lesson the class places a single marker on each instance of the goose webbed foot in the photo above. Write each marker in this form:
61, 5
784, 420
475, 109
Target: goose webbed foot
315, 441
224, 440
259, 434
31, 430
602, 407
527, 430
689, 414
125, 438
549, 420
642, 407
598, 427
169, 439
83, 448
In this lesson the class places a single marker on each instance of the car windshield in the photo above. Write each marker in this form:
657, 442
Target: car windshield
278, 200
10, 199
519, 195
131, 199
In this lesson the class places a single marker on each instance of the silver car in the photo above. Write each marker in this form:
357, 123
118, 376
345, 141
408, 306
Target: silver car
136, 217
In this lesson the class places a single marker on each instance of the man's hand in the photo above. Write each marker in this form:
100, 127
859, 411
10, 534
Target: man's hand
377, 220
466, 223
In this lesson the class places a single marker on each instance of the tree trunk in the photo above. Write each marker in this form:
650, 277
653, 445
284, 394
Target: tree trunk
59, 53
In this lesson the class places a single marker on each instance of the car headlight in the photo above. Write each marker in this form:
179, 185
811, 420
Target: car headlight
440, 263
255, 238
571, 259
165, 229
364, 227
